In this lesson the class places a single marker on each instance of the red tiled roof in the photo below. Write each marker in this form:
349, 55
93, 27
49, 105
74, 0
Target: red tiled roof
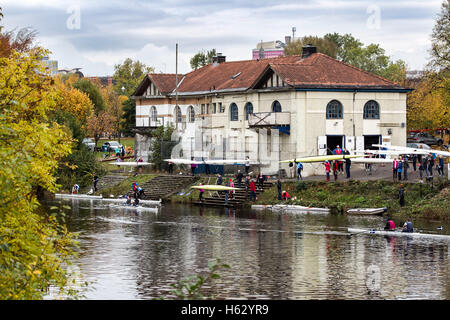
320, 70
316, 71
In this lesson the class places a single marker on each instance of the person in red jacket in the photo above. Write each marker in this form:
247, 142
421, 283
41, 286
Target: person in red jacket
327, 169
390, 225
285, 196
335, 169
252, 190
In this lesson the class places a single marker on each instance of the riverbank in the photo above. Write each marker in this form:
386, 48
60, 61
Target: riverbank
422, 200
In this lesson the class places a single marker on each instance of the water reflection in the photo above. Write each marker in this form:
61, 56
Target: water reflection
137, 255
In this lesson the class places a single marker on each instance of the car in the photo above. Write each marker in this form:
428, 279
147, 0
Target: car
89, 143
418, 146
424, 137
111, 146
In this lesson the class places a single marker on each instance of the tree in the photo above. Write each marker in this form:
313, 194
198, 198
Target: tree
34, 248
371, 58
114, 108
440, 39
20, 41
323, 45
93, 92
162, 145
100, 124
202, 58
129, 75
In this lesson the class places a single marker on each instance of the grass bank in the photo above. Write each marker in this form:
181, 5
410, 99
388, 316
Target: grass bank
126, 185
422, 200
189, 194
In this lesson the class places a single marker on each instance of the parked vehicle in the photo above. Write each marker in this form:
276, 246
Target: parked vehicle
89, 143
111, 146
424, 137
418, 146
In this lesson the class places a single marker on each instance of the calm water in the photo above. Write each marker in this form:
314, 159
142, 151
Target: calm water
129, 255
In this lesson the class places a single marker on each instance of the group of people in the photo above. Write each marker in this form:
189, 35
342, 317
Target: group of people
424, 163
407, 226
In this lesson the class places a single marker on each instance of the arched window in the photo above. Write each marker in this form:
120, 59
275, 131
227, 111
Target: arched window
178, 115
334, 110
248, 109
191, 114
153, 114
234, 112
276, 106
371, 110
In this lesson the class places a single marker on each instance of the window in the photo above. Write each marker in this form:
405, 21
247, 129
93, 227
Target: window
334, 110
248, 109
234, 112
178, 115
153, 114
221, 108
276, 106
214, 107
191, 114
371, 110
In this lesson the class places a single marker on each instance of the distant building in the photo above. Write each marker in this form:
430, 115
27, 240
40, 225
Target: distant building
74, 71
271, 49
104, 81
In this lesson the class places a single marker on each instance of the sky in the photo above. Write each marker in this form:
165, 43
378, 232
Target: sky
95, 35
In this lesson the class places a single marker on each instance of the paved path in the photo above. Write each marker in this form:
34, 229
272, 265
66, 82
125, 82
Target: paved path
358, 172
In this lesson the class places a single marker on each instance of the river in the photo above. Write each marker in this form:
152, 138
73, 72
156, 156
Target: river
137, 255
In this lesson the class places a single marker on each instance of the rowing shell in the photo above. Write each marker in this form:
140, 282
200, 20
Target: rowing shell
414, 150
211, 162
215, 188
322, 158
76, 196
372, 160
153, 202
398, 233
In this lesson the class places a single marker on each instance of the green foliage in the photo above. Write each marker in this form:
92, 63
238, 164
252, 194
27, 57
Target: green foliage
323, 45
129, 117
190, 288
202, 58
129, 75
92, 91
299, 186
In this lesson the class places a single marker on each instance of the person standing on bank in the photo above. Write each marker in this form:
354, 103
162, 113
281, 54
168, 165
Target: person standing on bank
400, 169
299, 171
394, 169
441, 166
170, 167
335, 170
279, 189
327, 169
193, 167
247, 165
239, 177
405, 168
401, 195
338, 151
348, 163
291, 170
252, 190
95, 182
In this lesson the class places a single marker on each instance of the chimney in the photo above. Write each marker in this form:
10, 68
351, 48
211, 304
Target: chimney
308, 50
287, 40
219, 58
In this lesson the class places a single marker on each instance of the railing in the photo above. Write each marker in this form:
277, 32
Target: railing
266, 119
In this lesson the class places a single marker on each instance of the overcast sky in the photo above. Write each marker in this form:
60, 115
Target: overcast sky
96, 35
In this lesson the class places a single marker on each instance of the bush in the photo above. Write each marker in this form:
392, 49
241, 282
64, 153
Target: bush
299, 186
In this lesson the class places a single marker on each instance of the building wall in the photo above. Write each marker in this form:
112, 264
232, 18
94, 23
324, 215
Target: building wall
211, 134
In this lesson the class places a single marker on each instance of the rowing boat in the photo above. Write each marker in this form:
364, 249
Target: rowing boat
123, 200
398, 233
290, 208
131, 207
323, 158
214, 187
76, 196
130, 164
366, 211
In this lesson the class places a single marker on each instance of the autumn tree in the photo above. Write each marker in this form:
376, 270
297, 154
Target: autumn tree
92, 91
34, 248
114, 108
202, 58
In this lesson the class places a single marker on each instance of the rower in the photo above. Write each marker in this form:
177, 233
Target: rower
136, 202
390, 225
75, 188
128, 202
408, 226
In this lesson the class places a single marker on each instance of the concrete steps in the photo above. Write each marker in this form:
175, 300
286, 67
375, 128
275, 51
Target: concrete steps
163, 186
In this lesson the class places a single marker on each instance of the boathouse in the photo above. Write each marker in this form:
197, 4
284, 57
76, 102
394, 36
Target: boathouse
271, 109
